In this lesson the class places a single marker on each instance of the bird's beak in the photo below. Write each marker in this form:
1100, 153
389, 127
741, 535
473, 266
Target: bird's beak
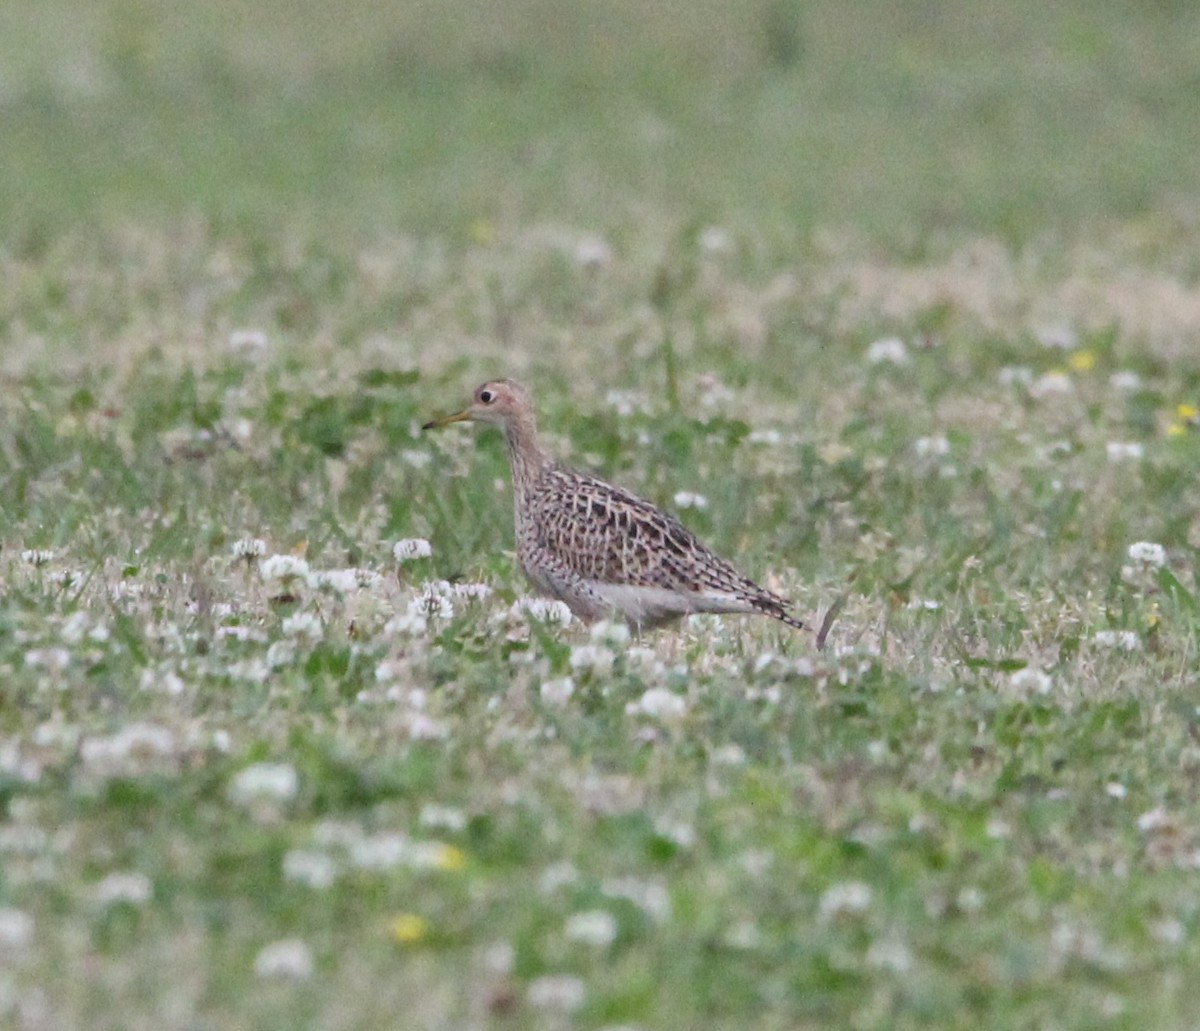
446, 420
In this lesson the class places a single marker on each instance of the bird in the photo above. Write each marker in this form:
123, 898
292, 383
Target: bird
599, 548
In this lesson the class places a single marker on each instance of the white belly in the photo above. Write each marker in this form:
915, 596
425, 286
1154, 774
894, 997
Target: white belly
646, 606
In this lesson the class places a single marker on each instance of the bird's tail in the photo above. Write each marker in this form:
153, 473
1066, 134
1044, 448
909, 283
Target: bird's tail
782, 614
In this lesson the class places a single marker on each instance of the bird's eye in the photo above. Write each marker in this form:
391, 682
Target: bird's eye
487, 397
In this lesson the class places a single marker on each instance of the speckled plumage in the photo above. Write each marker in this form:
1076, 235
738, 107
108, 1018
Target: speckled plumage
599, 548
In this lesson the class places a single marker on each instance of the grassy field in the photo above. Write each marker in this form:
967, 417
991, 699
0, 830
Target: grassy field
908, 295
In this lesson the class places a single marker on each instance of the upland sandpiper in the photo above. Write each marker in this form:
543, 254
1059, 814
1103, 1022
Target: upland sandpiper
599, 548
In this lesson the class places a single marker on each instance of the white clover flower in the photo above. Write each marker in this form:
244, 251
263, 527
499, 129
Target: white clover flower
368, 579
126, 589
336, 833
1030, 681
1118, 640
557, 692
472, 591
682, 835
649, 895
416, 459
343, 581
16, 928
1168, 931
1147, 553
1057, 337
743, 935
562, 992
411, 548
435, 855
606, 631
307, 625
389, 670
379, 852
435, 600
37, 556
134, 742
288, 960
283, 569
591, 658
53, 659
1115, 789
715, 240
594, 927
253, 671
544, 610
442, 817
275, 782
997, 829
935, 447
556, 876
625, 402
689, 499
249, 548
1051, 386
55, 734
1016, 375
593, 252
1125, 380
713, 390
729, 755
1123, 451
970, 900
849, 898
757, 862
1154, 820
426, 728
281, 653
658, 703
162, 680
499, 958
645, 661
888, 349
241, 633
75, 627
411, 623
247, 340
891, 955
132, 888
16, 766
309, 867
765, 437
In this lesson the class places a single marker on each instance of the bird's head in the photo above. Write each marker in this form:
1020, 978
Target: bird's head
498, 401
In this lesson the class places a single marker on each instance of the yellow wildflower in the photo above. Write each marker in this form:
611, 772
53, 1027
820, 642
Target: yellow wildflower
1186, 415
1083, 361
450, 858
409, 928
483, 232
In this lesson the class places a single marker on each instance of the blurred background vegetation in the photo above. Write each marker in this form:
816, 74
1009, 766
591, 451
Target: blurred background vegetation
902, 122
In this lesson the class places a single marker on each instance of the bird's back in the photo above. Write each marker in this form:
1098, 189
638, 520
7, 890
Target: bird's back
580, 534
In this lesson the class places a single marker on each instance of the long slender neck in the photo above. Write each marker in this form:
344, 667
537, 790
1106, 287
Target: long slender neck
526, 457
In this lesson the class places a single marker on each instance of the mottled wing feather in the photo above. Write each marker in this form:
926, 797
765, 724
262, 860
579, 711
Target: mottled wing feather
597, 531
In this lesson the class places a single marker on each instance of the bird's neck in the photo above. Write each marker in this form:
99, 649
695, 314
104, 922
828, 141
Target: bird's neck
525, 455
